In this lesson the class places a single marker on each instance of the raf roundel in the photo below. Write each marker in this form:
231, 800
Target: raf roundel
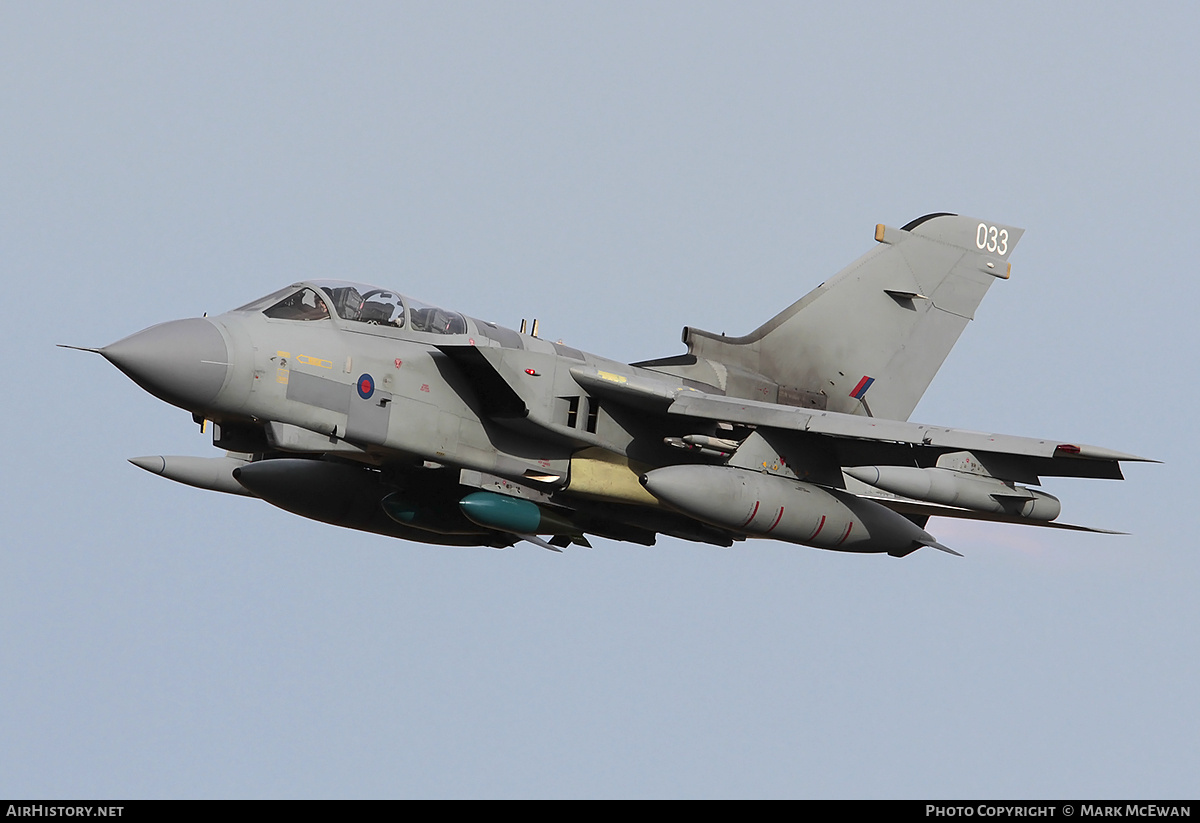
366, 386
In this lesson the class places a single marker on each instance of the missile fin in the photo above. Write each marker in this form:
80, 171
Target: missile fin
537, 541
941, 548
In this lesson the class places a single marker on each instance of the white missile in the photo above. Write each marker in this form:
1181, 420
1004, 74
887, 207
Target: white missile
717, 444
714, 446
954, 488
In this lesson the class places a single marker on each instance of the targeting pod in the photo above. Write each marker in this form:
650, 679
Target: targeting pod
513, 515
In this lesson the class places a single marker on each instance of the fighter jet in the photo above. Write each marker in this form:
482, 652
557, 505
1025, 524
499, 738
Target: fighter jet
359, 406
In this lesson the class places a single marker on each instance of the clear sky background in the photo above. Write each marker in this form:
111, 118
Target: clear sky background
617, 170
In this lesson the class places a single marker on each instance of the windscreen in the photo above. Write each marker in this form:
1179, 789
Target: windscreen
304, 304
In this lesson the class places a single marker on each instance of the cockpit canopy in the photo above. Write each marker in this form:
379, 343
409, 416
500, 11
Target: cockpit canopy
357, 303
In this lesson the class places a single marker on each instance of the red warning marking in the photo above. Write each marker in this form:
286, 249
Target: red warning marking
820, 526
847, 534
777, 519
746, 522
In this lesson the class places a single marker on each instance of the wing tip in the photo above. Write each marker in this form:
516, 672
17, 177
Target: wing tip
1082, 450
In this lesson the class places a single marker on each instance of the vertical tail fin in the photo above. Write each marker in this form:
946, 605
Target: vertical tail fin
870, 339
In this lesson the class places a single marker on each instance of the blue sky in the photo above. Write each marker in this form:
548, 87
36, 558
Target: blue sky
618, 171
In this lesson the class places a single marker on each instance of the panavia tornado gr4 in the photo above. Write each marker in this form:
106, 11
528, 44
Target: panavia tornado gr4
359, 406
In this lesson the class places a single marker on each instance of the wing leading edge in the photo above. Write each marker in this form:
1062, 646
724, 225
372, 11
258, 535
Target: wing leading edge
1050, 457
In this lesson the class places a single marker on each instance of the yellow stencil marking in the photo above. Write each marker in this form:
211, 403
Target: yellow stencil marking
314, 361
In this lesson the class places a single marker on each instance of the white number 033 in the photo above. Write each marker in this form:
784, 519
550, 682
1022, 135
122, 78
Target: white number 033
992, 238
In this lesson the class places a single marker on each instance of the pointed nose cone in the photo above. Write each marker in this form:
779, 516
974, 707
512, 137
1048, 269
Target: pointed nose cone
184, 362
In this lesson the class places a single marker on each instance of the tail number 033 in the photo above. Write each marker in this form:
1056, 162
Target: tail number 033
991, 238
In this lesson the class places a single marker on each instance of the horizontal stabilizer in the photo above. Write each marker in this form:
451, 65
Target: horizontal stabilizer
935, 510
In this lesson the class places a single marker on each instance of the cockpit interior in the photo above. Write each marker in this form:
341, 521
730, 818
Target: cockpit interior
357, 303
